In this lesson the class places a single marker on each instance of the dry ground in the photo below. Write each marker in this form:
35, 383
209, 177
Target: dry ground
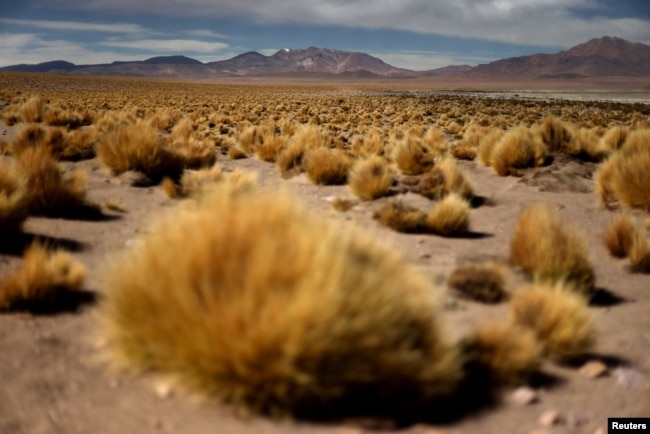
52, 381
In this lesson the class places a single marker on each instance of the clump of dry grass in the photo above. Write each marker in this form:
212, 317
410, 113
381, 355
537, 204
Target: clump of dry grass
481, 282
33, 109
639, 253
115, 205
518, 148
455, 180
267, 327
620, 235
509, 353
624, 176
343, 204
631, 177
34, 135
45, 281
401, 217
137, 147
371, 178
14, 204
306, 138
48, 191
327, 166
449, 217
486, 146
559, 318
195, 183
614, 138
555, 133
271, 148
194, 153
547, 251
411, 157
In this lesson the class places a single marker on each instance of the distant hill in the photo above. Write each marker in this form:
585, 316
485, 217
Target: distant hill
601, 57
312, 59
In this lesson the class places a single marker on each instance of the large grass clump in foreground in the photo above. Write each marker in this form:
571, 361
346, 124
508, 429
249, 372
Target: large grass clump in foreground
274, 309
547, 251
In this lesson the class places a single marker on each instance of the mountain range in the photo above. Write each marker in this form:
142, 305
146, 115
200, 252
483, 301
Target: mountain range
600, 57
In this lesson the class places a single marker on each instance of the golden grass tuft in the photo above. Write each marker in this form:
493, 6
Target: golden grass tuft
606, 172
614, 138
631, 178
343, 204
555, 133
33, 109
455, 180
411, 157
371, 178
137, 147
559, 318
327, 166
48, 191
115, 205
401, 217
510, 353
547, 251
518, 148
481, 282
449, 217
639, 253
620, 235
234, 313
486, 146
14, 203
271, 148
45, 281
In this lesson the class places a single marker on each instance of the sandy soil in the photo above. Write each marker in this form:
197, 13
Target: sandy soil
52, 381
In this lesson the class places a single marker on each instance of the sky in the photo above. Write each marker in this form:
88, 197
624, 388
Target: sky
414, 34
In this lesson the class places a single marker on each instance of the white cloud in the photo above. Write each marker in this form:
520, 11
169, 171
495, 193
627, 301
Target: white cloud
28, 48
526, 22
204, 33
169, 45
76, 26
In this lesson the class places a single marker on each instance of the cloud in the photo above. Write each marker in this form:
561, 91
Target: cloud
559, 23
30, 48
75, 26
169, 45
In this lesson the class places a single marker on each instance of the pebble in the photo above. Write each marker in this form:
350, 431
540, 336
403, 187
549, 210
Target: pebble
630, 378
164, 390
524, 396
549, 418
593, 369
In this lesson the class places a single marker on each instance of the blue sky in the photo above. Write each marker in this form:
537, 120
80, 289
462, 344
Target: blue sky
415, 34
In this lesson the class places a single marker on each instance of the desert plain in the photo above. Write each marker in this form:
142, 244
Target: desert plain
54, 378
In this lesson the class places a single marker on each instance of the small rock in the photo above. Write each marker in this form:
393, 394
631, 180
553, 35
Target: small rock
164, 390
549, 418
630, 378
524, 396
593, 369
576, 419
